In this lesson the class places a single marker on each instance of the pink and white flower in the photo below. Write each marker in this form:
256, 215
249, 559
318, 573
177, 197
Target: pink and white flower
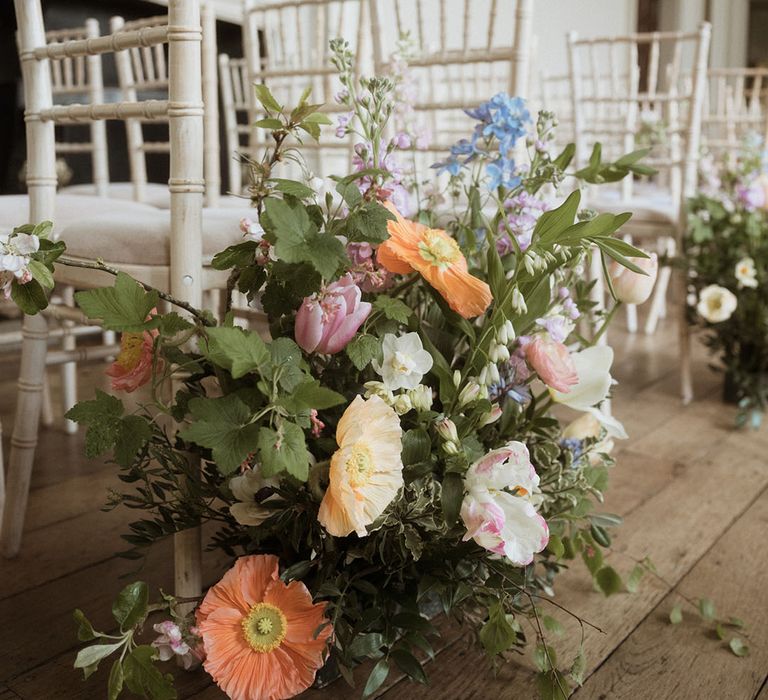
552, 362
16, 250
170, 643
631, 287
497, 509
328, 320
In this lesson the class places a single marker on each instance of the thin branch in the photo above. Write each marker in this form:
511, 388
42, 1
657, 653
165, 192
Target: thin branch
102, 267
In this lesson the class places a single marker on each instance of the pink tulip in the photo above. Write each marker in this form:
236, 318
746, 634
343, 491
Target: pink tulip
328, 320
552, 362
631, 287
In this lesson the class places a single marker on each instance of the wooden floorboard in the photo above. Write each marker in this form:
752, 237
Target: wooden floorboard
686, 483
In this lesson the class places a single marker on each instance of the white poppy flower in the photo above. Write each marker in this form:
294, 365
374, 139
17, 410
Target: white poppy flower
405, 361
244, 488
716, 304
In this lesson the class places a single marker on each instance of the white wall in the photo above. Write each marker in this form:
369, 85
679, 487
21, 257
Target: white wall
553, 19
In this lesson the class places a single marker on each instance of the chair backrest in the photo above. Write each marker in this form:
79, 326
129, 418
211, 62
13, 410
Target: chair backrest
75, 77
237, 114
182, 107
735, 108
142, 72
463, 52
629, 91
286, 46
555, 96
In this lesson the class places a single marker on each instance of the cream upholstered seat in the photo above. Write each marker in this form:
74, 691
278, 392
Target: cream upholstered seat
144, 238
156, 194
14, 209
646, 210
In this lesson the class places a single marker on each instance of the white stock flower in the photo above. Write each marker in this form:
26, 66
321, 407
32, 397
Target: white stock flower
404, 363
745, 273
716, 304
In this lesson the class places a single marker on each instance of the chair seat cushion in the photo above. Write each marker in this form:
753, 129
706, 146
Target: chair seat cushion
144, 238
646, 209
156, 194
14, 209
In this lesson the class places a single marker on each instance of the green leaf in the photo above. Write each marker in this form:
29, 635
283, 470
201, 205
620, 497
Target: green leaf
42, 274
326, 253
362, 349
552, 685
609, 580
102, 416
417, 447
291, 187
266, 98
124, 307
579, 667
451, 497
552, 625
735, 622
223, 425
738, 647
269, 123
317, 118
172, 324
409, 665
556, 546
286, 359
368, 223
144, 678
349, 193
676, 615
133, 433
377, 677
85, 631
43, 229
393, 309
88, 659
600, 535
497, 635
240, 255
29, 297
116, 680
544, 657
130, 608
635, 576
552, 223
237, 350
309, 394
593, 558
364, 645
284, 449
720, 631
496, 278
707, 609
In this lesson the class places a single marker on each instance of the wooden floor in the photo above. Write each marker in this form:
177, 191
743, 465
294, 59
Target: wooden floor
692, 490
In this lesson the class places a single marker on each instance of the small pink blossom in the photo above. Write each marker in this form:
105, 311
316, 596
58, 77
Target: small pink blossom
171, 642
317, 425
328, 320
552, 362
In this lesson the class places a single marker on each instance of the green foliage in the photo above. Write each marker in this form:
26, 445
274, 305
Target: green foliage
238, 351
363, 349
124, 307
393, 309
284, 450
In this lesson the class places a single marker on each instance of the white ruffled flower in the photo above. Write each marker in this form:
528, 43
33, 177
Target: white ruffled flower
497, 509
421, 397
405, 361
745, 273
716, 304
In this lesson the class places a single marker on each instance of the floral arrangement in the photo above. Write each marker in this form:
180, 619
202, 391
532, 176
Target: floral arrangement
389, 452
726, 253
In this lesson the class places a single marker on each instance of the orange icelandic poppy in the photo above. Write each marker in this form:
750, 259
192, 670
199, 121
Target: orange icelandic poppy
438, 259
260, 635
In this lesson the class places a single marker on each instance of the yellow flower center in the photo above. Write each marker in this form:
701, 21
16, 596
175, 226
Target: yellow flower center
439, 249
359, 465
264, 627
130, 350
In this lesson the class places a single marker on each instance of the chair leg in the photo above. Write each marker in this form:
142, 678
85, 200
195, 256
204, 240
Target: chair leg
46, 410
631, 308
69, 369
684, 335
597, 294
25, 430
659, 300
